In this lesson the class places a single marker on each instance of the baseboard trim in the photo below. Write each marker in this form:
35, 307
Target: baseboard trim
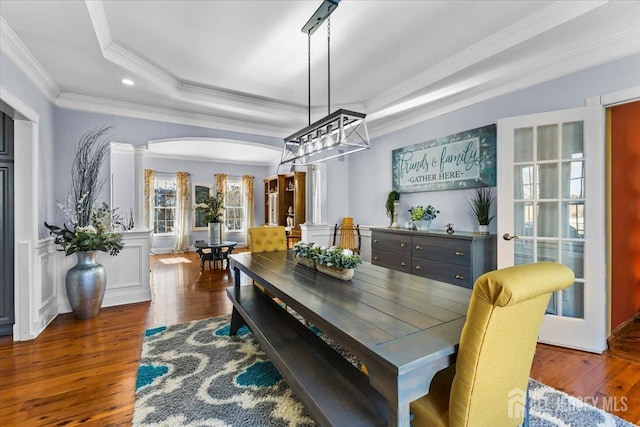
624, 340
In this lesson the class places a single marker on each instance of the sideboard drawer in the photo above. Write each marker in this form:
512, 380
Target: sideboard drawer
389, 242
442, 271
454, 251
390, 260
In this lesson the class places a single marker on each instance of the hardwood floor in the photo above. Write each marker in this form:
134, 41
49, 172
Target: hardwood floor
84, 371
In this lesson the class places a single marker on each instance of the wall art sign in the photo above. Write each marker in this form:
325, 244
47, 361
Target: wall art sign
463, 160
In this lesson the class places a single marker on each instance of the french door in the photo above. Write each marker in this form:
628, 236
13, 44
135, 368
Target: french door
551, 193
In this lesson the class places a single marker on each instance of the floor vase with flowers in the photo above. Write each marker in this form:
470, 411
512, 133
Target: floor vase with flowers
86, 283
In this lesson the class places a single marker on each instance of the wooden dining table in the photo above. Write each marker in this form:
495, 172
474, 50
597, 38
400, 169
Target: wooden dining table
404, 328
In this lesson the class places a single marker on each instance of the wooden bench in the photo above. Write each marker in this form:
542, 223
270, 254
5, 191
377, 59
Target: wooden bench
332, 390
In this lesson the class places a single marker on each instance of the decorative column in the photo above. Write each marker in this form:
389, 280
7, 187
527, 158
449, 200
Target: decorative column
314, 230
138, 186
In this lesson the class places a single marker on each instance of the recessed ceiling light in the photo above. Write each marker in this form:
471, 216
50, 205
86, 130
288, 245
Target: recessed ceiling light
127, 82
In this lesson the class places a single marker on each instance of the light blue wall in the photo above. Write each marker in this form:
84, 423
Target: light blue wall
13, 81
71, 124
203, 172
370, 170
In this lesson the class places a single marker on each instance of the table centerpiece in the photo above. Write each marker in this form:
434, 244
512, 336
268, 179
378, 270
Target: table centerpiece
338, 262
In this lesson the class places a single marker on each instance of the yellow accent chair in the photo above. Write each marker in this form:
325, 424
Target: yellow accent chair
496, 350
267, 239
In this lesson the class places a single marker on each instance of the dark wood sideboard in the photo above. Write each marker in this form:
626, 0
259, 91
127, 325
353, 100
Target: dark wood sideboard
458, 258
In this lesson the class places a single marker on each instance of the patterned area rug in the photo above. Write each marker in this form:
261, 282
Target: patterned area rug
195, 374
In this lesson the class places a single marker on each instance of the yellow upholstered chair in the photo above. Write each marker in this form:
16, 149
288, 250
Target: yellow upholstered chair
267, 239
496, 350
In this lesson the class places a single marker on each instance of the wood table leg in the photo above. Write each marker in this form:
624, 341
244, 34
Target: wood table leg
236, 322
399, 416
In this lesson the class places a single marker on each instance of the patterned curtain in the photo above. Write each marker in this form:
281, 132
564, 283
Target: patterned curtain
221, 187
182, 212
247, 190
149, 178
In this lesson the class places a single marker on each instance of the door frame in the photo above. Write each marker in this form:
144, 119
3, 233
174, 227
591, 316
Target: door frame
609, 100
26, 136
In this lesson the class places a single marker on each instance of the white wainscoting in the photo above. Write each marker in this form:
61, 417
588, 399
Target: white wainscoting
45, 295
162, 244
127, 274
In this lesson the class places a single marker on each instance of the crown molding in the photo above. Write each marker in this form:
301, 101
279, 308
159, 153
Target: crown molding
551, 16
251, 107
612, 48
119, 108
21, 110
20, 55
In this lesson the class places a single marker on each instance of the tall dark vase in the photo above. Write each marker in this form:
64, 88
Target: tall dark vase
86, 283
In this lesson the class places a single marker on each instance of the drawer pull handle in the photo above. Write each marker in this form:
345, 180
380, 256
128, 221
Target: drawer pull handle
459, 276
403, 264
375, 258
418, 267
375, 240
403, 245
418, 247
459, 253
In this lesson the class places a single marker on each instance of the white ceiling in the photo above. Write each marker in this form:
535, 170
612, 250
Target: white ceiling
242, 65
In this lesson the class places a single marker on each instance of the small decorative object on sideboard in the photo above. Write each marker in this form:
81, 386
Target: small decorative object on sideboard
481, 208
393, 200
422, 216
338, 262
450, 229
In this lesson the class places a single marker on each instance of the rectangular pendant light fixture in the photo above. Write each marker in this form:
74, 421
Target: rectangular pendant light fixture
338, 134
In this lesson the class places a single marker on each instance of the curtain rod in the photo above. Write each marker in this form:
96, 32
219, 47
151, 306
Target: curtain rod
168, 173
235, 176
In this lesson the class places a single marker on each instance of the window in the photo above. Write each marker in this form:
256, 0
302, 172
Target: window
234, 205
164, 210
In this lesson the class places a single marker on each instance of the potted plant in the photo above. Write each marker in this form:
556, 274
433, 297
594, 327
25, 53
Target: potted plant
305, 253
337, 262
90, 228
392, 207
213, 209
481, 207
422, 216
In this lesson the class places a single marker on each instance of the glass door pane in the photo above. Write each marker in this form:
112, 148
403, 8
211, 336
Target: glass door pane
549, 204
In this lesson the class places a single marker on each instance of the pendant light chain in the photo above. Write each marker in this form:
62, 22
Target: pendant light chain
328, 66
309, 77
339, 134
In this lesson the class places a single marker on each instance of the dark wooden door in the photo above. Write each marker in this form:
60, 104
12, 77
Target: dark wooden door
7, 308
